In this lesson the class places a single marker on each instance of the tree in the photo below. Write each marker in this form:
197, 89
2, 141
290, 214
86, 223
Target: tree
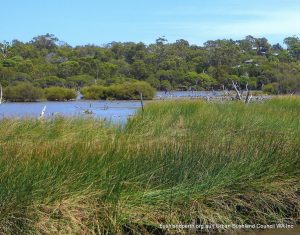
47, 41
139, 70
80, 81
293, 46
200, 80
50, 81
4, 49
262, 46
68, 69
222, 52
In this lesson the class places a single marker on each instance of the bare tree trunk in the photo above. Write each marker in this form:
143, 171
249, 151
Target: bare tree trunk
248, 97
238, 93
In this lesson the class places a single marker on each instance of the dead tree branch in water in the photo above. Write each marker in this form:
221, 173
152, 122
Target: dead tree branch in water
142, 101
239, 92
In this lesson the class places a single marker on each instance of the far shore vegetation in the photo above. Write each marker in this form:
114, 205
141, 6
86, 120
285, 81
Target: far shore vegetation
26, 92
124, 91
104, 72
178, 162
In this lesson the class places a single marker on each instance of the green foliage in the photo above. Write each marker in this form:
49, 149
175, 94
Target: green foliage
22, 92
179, 161
124, 91
95, 92
68, 68
138, 69
271, 88
106, 70
293, 46
49, 81
153, 81
165, 85
22, 77
9, 63
59, 94
80, 81
201, 80
166, 66
47, 41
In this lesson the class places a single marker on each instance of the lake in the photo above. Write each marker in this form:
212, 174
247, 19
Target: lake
115, 111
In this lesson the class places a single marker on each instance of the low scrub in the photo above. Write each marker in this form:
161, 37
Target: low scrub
124, 91
59, 94
23, 92
271, 88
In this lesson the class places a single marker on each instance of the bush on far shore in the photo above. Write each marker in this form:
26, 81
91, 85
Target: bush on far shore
271, 88
124, 91
23, 92
59, 94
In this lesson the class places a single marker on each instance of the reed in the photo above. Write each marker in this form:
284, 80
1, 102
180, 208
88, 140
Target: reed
178, 162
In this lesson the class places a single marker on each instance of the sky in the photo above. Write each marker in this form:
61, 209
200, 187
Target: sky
80, 22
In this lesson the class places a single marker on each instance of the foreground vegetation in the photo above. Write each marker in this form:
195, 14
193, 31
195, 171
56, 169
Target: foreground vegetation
176, 163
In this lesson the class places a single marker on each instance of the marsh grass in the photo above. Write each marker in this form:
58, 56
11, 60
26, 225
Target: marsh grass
179, 162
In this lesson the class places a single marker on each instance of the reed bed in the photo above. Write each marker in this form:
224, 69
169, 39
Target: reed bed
178, 162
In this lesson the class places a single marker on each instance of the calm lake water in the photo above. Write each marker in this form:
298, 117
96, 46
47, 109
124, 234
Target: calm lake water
110, 110
115, 111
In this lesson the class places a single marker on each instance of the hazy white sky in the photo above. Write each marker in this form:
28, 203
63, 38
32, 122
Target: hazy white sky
98, 21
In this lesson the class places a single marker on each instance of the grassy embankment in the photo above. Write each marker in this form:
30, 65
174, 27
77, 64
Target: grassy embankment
179, 163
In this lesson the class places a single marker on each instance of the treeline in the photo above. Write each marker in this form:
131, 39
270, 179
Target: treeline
46, 62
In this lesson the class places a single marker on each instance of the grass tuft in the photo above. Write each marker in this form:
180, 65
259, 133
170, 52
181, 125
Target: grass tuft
179, 162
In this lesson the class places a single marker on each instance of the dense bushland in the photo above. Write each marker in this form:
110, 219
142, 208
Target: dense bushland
179, 162
45, 61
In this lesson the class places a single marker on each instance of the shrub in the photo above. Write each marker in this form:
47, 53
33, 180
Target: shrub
125, 91
59, 94
94, 92
271, 88
22, 92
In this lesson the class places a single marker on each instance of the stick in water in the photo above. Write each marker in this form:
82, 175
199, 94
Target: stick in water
142, 102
